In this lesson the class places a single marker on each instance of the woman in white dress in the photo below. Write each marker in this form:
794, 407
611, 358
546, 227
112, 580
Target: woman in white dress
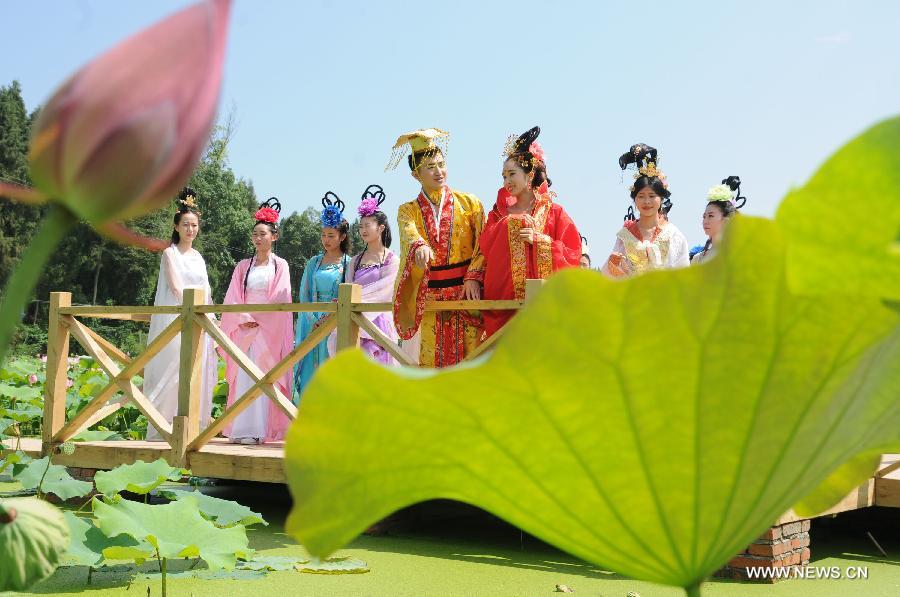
649, 242
723, 202
181, 267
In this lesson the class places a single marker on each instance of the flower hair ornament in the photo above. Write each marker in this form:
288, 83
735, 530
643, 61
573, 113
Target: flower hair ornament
269, 212
524, 144
729, 190
187, 200
372, 198
332, 210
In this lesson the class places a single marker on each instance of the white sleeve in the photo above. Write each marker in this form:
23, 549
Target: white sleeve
679, 252
173, 277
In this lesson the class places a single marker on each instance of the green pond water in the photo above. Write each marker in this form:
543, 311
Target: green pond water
450, 549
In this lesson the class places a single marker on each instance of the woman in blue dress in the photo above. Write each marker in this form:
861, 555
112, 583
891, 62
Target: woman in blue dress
321, 277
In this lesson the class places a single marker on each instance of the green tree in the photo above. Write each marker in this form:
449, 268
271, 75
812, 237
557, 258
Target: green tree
17, 222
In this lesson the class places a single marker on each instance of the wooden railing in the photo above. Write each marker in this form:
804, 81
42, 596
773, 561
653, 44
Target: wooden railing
193, 319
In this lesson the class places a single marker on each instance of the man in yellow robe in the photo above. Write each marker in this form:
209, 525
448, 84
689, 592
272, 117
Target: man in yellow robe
438, 258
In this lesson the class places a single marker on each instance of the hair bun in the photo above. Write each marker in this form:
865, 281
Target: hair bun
523, 143
271, 203
637, 154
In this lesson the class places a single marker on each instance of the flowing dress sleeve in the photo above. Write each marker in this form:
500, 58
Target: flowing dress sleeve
409, 292
564, 245
172, 275
231, 322
476, 266
679, 252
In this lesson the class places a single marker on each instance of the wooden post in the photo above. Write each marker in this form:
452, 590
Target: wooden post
57, 364
186, 425
347, 329
532, 287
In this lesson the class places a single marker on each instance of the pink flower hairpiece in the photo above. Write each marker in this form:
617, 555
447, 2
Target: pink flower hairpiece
368, 207
266, 214
537, 151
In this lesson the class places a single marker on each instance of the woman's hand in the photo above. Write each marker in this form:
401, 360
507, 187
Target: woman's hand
618, 265
527, 234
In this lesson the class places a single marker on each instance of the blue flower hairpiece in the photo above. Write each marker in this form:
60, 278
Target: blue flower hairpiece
332, 211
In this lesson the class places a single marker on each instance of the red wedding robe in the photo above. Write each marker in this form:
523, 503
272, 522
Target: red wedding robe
509, 261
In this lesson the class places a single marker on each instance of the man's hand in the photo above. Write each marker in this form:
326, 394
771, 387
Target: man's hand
472, 290
423, 256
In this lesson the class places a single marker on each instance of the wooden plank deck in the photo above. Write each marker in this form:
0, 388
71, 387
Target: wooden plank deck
223, 460
219, 458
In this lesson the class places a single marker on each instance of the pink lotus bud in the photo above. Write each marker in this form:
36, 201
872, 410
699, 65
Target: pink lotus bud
32, 379
69, 383
124, 133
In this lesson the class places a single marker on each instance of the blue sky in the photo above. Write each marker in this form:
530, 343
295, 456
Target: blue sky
765, 90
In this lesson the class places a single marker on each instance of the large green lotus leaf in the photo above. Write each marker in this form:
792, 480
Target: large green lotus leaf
140, 477
20, 392
653, 426
844, 224
54, 479
22, 413
5, 425
17, 460
176, 529
33, 538
223, 513
96, 435
87, 542
273, 563
345, 565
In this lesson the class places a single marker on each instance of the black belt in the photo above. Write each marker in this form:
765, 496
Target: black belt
444, 276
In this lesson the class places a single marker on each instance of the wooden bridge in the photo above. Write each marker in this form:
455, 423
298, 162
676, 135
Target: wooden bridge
184, 443
201, 450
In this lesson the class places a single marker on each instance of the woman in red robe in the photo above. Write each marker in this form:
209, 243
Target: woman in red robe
527, 234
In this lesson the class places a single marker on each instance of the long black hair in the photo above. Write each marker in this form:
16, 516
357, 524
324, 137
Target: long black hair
374, 191
184, 208
271, 203
642, 155
520, 152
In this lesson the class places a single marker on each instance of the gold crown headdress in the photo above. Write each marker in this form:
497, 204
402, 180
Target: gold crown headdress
189, 203
650, 170
525, 143
416, 142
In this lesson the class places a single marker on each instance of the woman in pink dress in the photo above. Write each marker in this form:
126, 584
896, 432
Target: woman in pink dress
265, 337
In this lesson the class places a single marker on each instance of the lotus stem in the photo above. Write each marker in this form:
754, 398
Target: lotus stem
24, 278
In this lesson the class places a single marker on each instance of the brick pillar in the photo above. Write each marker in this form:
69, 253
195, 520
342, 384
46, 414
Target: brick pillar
781, 546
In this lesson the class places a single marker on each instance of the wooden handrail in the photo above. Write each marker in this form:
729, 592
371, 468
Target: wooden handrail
270, 308
345, 318
111, 312
93, 409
